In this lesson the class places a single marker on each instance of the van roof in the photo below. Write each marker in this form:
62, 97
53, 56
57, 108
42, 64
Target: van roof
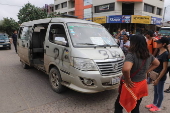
165, 27
53, 20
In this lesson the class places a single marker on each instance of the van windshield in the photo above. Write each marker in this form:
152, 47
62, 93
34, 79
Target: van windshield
164, 31
87, 35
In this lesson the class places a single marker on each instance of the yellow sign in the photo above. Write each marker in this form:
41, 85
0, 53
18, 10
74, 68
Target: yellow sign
141, 19
99, 20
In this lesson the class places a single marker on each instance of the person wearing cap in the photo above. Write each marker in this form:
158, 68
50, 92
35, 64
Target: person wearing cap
162, 56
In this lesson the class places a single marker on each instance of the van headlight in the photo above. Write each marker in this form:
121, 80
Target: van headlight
84, 64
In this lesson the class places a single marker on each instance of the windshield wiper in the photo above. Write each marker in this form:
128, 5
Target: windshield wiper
105, 45
86, 44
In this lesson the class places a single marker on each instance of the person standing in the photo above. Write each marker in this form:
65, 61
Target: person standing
125, 44
152, 45
133, 83
14, 38
162, 56
123, 32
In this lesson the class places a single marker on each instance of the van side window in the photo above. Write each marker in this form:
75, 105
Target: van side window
57, 31
24, 33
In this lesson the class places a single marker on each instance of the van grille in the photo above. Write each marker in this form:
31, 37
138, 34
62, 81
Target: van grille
110, 67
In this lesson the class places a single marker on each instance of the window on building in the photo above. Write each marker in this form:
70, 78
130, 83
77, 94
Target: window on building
57, 7
149, 8
105, 8
63, 5
159, 10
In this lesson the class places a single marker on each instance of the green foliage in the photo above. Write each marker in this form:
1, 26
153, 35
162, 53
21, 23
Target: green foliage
29, 12
54, 14
8, 25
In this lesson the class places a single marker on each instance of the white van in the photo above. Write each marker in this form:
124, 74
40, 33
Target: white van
77, 54
164, 31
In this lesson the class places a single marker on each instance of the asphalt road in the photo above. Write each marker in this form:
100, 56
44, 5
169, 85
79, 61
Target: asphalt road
29, 91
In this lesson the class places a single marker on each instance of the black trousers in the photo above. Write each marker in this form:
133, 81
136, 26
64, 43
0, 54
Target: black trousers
119, 108
15, 45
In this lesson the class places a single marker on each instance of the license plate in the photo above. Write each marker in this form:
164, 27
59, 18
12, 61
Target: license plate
115, 80
1, 45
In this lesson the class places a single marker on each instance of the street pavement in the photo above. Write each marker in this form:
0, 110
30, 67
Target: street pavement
29, 91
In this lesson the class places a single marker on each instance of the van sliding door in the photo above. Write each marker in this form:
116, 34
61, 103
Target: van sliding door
23, 44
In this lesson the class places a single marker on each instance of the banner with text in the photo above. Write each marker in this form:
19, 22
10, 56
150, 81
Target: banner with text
156, 21
99, 20
141, 19
114, 19
126, 18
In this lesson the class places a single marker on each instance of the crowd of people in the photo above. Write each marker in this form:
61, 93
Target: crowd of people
145, 53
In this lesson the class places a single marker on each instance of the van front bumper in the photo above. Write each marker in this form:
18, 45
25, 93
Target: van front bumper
101, 83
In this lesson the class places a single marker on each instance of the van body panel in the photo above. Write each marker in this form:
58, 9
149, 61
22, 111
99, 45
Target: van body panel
23, 44
94, 75
41, 49
99, 53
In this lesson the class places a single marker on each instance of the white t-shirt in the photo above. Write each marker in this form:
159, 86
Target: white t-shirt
125, 49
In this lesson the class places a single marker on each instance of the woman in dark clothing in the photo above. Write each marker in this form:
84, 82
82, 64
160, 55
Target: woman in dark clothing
137, 63
162, 56
14, 38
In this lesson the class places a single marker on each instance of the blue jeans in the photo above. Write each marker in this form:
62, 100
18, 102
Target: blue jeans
158, 94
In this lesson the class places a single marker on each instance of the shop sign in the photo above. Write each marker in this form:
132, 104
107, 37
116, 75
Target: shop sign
153, 20
114, 19
141, 19
88, 19
129, 0
156, 21
126, 18
100, 20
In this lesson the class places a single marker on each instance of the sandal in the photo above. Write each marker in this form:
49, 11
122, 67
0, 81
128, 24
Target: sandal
167, 90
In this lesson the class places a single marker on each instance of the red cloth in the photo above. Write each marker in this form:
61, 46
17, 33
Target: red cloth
129, 96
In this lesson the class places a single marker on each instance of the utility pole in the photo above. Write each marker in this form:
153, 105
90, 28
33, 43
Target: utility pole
92, 13
164, 14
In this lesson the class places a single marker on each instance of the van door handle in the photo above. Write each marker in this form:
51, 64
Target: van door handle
47, 46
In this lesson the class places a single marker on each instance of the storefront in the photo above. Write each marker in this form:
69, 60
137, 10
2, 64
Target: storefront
134, 23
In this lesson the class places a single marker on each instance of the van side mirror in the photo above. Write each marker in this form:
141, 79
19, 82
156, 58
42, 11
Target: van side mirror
60, 41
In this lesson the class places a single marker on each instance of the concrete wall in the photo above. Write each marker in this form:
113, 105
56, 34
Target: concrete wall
61, 10
156, 3
138, 8
117, 11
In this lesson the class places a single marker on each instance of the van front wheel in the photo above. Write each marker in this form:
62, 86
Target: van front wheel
55, 80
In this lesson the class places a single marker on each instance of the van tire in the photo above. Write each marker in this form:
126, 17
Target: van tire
55, 81
25, 66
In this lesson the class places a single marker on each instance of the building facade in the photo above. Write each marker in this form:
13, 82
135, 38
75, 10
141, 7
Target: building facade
48, 8
128, 7
129, 12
